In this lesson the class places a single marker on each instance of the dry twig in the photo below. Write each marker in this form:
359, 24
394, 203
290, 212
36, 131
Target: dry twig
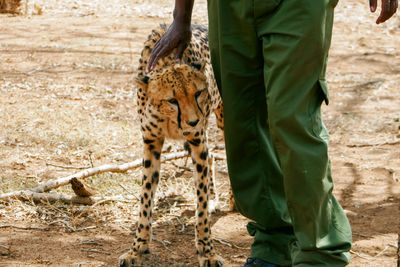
97, 251
376, 144
361, 256
226, 243
129, 192
73, 229
66, 224
42, 69
24, 228
369, 258
90, 242
165, 246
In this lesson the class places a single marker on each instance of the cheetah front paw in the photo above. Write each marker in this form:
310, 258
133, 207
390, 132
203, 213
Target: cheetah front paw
211, 261
130, 259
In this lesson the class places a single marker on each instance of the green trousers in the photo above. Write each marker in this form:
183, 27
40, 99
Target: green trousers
269, 59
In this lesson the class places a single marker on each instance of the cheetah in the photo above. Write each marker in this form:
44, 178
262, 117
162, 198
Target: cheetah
175, 101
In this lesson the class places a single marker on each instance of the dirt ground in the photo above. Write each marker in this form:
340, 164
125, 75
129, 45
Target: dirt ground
67, 101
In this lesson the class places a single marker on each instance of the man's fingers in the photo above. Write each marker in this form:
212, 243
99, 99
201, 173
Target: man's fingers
179, 52
388, 9
153, 57
163, 51
385, 9
152, 62
156, 46
177, 36
373, 5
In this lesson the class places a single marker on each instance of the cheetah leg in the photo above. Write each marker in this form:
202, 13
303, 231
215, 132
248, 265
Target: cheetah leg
151, 172
204, 244
219, 114
213, 204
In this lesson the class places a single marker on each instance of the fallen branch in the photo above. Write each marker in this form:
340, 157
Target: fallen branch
51, 197
82, 190
68, 167
52, 184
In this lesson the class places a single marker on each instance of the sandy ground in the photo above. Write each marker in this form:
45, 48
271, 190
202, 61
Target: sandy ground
67, 100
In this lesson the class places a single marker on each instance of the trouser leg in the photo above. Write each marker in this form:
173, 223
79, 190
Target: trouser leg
254, 170
274, 134
296, 39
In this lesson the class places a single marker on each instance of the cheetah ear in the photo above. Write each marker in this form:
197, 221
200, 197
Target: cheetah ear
198, 65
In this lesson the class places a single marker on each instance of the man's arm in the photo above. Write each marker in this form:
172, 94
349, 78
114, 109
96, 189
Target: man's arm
389, 7
177, 36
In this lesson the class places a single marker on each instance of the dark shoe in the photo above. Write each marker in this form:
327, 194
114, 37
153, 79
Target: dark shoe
253, 262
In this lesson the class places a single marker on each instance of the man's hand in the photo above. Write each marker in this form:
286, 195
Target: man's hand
176, 37
389, 7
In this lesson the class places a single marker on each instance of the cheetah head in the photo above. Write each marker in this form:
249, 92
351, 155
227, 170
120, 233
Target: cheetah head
179, 95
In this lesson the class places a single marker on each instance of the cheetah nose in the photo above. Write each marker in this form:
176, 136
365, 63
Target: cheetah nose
193, 123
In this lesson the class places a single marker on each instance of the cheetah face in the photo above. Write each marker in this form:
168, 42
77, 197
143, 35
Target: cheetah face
180, 96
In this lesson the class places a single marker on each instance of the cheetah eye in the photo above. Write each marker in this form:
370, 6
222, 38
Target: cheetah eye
173, 101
